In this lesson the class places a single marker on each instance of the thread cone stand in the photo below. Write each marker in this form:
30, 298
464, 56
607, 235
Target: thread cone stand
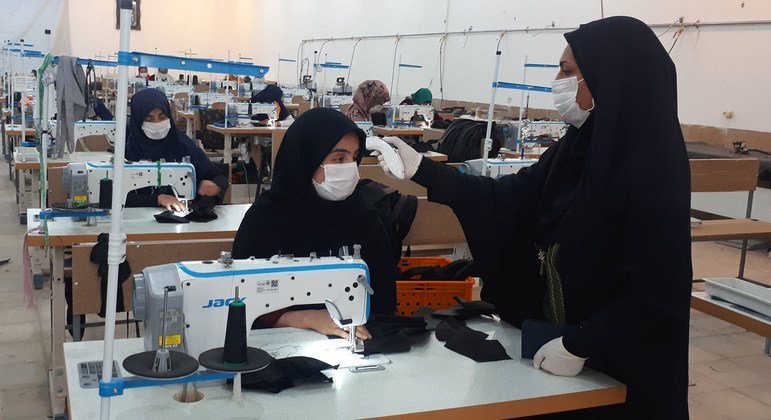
235, 356
162, 363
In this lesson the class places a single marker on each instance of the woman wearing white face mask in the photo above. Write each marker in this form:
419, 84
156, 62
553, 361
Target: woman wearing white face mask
592, 243
313, 206
152, 137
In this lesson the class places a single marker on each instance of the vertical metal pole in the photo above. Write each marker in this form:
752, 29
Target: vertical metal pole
44, 138
743, 258
488, 142
116, 254
521, 109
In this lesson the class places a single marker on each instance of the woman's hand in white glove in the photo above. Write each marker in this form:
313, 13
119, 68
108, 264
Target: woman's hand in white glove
553, 357
410, 158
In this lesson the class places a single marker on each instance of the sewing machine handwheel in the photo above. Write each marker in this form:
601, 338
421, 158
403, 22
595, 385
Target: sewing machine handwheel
141, 364
256, 359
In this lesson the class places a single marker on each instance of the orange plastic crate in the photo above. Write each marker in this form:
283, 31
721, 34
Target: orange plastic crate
411, 295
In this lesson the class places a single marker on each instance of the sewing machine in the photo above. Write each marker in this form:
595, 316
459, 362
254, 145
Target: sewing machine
341, 87
198, 307
531, 130
497, 167
208, 98
246, 110
367, 127
409, 114
335, 101
81, 180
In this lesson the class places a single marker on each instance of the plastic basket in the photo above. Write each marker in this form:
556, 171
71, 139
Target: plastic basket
411, 295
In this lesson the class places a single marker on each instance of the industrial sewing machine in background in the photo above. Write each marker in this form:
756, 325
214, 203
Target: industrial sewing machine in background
245, 111
335, 101
202, 290
410, 115
341, 87
84, 181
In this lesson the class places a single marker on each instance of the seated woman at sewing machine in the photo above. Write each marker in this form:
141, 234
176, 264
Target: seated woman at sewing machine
313, 206
152, 136
368, 99
272, 94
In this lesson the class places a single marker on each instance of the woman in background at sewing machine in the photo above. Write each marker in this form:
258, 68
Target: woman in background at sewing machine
313, 206
272, 94
152, 136
367, 99
593, 241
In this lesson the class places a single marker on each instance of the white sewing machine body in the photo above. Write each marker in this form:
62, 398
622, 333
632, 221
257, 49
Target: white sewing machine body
204, 289
81, 179
246, 110
403, 114
335, 101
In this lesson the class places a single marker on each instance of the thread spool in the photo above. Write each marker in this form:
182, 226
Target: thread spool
235, 334
105, 193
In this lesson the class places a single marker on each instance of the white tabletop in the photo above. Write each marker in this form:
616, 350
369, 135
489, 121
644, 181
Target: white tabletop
139, 224
428, 378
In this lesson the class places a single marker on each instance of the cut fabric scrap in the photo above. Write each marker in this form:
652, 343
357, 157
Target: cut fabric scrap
469, 342
99, 256
286, 373
394, 334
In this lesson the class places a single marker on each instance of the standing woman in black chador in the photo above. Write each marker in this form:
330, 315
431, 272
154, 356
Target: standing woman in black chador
313, 205
596, 235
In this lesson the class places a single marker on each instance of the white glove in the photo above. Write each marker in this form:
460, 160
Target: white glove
553, 357
410, 157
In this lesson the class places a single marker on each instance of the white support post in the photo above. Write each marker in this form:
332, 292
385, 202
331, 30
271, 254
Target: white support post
521, 109
117, 241
488, 142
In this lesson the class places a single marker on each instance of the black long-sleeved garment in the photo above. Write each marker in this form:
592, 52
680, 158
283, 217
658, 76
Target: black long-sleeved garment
615, 196
173, 148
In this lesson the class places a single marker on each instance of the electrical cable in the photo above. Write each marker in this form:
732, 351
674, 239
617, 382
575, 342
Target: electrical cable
350, 64
393, 65
441, 70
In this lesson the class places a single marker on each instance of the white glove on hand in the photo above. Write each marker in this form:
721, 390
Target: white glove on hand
410, 157
553, 357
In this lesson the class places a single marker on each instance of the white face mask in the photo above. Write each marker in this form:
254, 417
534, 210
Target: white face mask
339, 181
564, 93
143, 74
157, 131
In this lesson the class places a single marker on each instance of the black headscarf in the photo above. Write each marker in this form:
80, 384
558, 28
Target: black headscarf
617, 200
291, 218
270, 94
172, 148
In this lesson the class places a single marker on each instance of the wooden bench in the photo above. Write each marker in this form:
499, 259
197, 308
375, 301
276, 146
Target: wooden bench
727, 175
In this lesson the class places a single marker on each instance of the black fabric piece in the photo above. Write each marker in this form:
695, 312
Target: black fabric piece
175, 147
202, 209
397, 211
620, 215
168, 216
466, 310
536, 333
394, 334
427, 314
463, 138
99, 256
68, 299
469, 345
293, 219
235, 334
469, 342
452, 326
286, 373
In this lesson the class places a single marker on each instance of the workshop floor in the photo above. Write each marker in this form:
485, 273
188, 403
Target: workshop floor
729, 375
